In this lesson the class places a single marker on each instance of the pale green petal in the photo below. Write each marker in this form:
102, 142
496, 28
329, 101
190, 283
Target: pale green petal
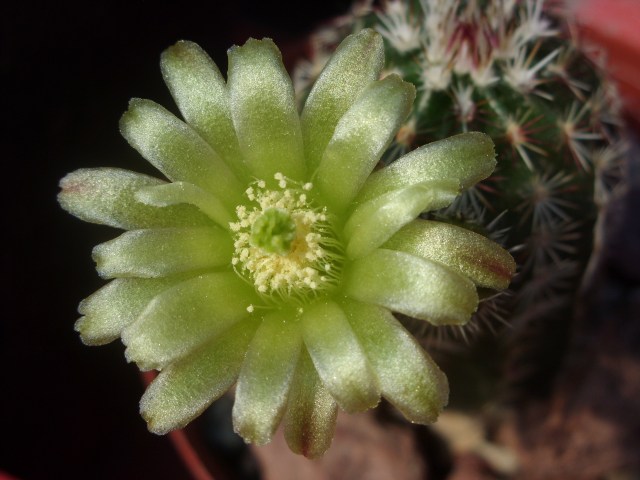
117, 305
470, 254
185, 388
264, 111
201, 94
261, 394
162, 252
185, 316
177, 150
360, 139
467, 158
182, 192
338, 357
310, 418
411, 285
356, 63
106, 196
373, 222
408, 377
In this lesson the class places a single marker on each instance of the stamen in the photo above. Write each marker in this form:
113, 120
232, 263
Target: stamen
283, 244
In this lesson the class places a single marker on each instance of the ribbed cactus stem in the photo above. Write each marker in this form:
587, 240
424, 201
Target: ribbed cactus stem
513, 70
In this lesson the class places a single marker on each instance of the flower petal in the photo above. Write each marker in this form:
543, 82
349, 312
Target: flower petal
467, 158
162, 252
106, 196
408, 377
310, 418
184, 316
115, 306
373, 222
185, 388
177, 150
338, 357
261, 394
361, 137
356, 63
264, 111
201, 94
469, 253
182, 192
413, 286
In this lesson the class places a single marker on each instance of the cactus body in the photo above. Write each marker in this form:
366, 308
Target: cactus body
513, 70
509, 69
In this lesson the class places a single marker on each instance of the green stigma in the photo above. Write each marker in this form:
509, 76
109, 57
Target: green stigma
273, 231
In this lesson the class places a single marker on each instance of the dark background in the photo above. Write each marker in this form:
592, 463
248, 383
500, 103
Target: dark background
67, 71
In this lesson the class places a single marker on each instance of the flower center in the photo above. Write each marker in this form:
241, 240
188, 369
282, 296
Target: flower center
283, 243
273, 231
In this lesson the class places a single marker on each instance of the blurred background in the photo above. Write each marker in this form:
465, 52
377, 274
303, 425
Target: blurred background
68, 71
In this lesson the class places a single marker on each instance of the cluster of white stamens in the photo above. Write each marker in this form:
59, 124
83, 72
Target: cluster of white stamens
283, 244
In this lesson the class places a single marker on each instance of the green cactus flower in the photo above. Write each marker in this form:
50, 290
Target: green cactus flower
273, 257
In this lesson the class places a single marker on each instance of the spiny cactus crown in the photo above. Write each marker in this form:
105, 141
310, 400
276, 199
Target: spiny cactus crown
512, 70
